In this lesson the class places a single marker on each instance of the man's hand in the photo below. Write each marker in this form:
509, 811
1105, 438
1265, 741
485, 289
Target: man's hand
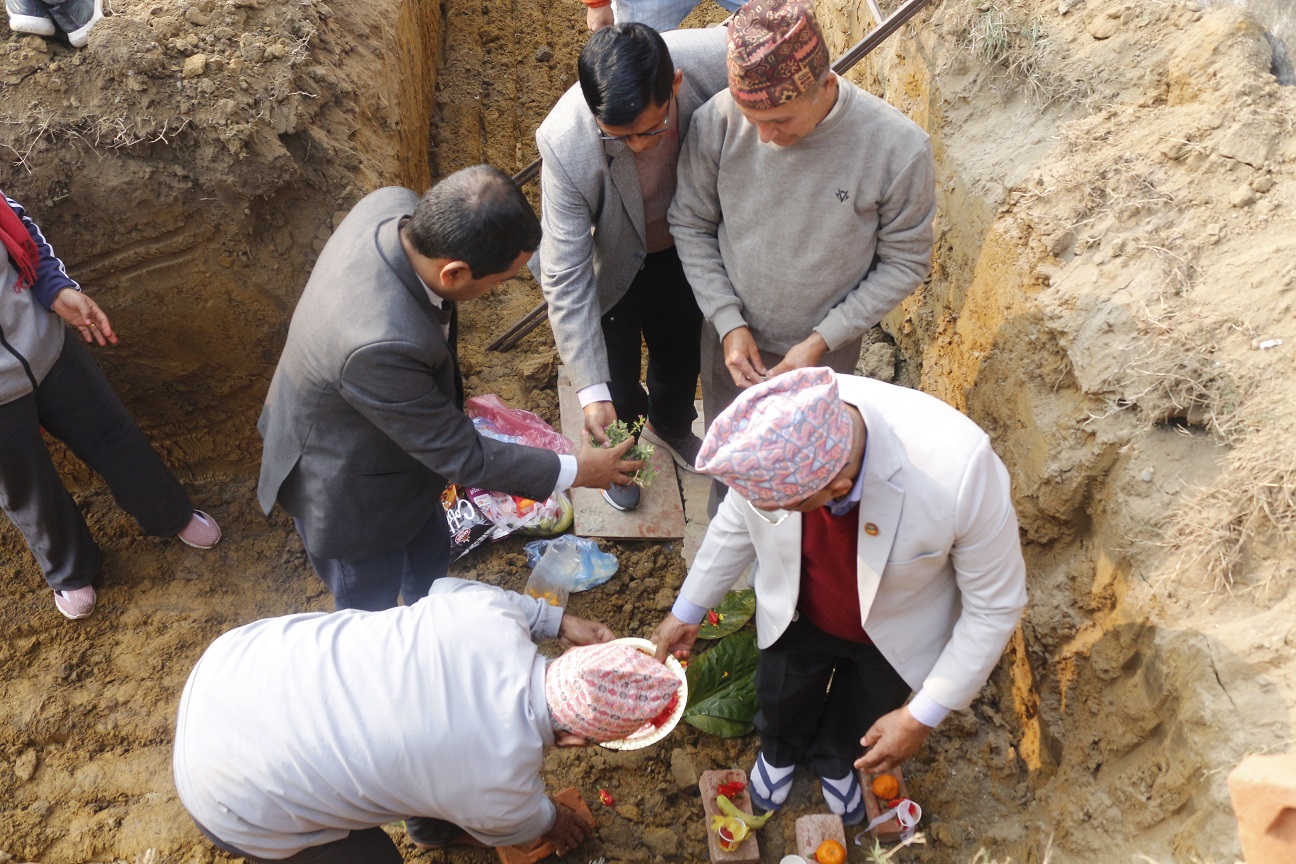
573, 631
600, 467
891, 740
84, 314
673, 636
743, 358
599, 416
568, 830
803, 354
597, 19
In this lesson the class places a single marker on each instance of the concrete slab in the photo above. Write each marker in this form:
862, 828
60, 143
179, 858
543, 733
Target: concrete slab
541, 849
889, 831
813, 830
661, 511
748, 851
696, 489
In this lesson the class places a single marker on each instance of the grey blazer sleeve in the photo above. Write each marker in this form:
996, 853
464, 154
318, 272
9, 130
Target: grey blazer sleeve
390, 384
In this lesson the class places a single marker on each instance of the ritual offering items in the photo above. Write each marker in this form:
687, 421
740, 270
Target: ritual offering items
729, 848
661, 725
890, 819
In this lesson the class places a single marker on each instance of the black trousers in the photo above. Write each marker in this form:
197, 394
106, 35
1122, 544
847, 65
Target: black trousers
377, 582
660, 311
369, 846
803, 720
77, 406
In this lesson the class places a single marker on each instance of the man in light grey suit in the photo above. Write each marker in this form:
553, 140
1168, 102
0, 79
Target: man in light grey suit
363, 425
607, 261
888, 561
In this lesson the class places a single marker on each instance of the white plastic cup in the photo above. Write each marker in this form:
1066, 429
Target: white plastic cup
793, 859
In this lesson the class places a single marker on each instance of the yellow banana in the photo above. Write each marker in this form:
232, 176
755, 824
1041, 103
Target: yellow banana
729, 808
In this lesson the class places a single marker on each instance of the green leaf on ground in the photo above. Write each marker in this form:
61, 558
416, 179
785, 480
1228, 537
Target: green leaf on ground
735, 610
722, 686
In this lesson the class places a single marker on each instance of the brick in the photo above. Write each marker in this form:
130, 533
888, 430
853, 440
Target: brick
542, 848
813, 830
1263, 792
889, 831
748, 851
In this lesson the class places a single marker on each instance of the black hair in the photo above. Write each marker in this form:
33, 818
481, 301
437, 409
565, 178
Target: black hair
477, 215
623, 69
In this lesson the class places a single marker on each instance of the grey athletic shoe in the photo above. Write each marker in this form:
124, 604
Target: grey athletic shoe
622, 497
29, 16
76, 18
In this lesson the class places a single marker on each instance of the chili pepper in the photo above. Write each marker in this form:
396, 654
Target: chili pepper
606, 797
729, 790
712, 618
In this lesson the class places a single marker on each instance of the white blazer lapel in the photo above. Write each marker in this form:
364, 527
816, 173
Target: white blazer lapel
881, 502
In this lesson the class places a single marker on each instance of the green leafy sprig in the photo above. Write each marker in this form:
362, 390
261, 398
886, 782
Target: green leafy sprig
618, 432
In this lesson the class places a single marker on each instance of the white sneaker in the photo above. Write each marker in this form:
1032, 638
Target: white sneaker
29, 16
76, 18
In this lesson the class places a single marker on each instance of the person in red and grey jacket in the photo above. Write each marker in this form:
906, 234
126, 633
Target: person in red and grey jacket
50, 381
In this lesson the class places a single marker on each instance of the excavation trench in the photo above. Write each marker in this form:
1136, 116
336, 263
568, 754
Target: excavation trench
1099, 174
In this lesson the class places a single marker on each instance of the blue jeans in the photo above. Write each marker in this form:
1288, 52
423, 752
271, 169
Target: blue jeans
661, 15
375, 583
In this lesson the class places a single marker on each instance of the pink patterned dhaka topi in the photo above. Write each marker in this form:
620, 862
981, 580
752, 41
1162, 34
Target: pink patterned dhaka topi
776, 53
782, 440
605, 692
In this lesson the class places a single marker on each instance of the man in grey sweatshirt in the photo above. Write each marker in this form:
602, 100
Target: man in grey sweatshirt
803, 211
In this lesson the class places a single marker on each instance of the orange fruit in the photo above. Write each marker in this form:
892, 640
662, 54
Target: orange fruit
830, 852
886, 787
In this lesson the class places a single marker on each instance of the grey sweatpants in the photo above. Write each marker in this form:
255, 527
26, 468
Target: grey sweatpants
76, 405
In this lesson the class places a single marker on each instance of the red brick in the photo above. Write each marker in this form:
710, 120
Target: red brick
542, 848
1263, 791
748, 851
813, 830
889, 831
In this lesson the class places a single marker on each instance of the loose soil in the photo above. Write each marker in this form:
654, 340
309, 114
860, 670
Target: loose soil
1113, 300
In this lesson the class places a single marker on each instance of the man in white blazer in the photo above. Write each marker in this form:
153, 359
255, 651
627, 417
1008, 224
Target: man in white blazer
887, 553
607, 261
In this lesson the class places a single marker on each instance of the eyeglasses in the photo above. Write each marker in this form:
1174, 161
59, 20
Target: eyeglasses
772, 517
663, 128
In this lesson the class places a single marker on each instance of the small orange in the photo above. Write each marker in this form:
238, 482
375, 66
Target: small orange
830, 852
886, 787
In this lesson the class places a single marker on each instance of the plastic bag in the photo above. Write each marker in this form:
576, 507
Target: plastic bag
493, 418
469, 527
509, 513
596, 566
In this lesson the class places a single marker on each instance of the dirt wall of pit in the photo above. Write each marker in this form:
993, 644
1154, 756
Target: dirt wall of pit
188, 165
1114, 247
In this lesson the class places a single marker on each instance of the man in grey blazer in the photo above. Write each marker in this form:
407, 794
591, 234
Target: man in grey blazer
888, 561
607, 261
363, 425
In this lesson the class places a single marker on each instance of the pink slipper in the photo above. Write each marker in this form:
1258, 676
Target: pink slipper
77, 603
202, 532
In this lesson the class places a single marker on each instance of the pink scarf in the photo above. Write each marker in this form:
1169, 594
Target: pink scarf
21, 247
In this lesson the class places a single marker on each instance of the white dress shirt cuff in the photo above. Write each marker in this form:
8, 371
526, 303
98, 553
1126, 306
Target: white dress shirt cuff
594, 393
687, 611
927, 710
566, 472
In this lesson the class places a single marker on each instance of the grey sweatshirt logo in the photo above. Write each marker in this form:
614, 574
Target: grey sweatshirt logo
842, 195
